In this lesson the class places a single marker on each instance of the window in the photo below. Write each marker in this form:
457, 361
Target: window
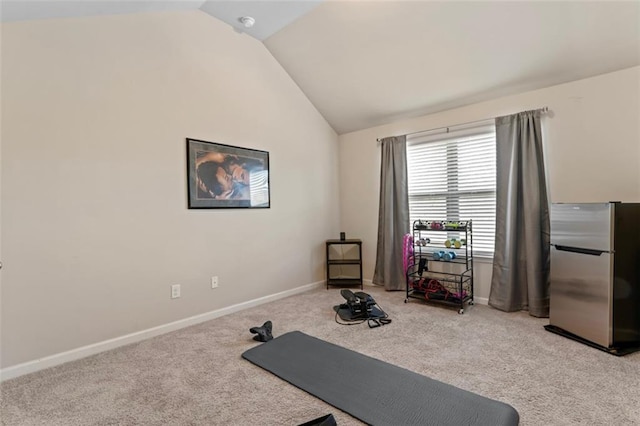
452, 176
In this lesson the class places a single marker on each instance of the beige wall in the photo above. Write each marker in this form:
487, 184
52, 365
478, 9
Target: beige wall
592, 140
95, 229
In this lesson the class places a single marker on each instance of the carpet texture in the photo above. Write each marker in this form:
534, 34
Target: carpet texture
196, 376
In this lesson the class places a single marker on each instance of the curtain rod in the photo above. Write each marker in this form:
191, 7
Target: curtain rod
543, 110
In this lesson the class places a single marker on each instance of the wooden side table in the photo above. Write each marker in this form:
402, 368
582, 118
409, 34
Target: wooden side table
344, 262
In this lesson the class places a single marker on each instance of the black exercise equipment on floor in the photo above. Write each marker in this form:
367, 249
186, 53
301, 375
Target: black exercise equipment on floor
327, 420
373, 391
262, 334
360, 307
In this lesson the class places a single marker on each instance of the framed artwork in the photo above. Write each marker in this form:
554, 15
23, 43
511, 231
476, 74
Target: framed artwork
224, 176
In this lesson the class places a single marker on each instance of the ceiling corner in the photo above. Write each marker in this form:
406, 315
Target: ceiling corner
270, 16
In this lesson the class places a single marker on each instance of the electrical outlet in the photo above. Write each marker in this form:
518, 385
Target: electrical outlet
175, 291
214, 282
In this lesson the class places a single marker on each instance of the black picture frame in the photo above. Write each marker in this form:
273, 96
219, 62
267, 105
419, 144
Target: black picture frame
222, 176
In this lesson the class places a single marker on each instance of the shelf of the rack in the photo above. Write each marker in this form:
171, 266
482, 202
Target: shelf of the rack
459, 229
454, 301
461, 260
453, 287
344, 261
442, 275
438, 246
433, 267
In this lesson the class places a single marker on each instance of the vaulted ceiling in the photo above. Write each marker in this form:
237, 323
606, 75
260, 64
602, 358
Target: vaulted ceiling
366, 63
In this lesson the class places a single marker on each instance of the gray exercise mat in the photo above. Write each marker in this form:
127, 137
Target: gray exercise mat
373, 391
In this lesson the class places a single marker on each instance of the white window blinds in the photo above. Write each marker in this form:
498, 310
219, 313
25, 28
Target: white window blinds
452, 176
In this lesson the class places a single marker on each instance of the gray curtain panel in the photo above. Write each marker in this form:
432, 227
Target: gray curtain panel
393, 216
520, 278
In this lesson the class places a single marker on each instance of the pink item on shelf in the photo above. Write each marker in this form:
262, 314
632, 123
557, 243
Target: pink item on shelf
407, 251
457, 295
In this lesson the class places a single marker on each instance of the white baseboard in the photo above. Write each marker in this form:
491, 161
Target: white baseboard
85, 351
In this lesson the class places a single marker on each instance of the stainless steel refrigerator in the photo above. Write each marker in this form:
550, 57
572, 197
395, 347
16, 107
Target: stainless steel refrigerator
595, 274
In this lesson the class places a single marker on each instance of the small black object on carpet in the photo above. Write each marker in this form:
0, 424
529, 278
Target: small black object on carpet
263, 333
327, 420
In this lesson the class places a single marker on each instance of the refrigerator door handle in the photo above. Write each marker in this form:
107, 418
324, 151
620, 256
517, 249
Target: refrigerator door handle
580, 250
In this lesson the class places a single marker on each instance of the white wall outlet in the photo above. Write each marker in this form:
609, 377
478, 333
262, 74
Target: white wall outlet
214, 282
175, 291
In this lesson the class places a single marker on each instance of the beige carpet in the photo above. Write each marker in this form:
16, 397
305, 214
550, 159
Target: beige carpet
196, 376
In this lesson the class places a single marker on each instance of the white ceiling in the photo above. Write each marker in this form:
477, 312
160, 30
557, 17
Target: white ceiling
366, 63
27, 10
270, 15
